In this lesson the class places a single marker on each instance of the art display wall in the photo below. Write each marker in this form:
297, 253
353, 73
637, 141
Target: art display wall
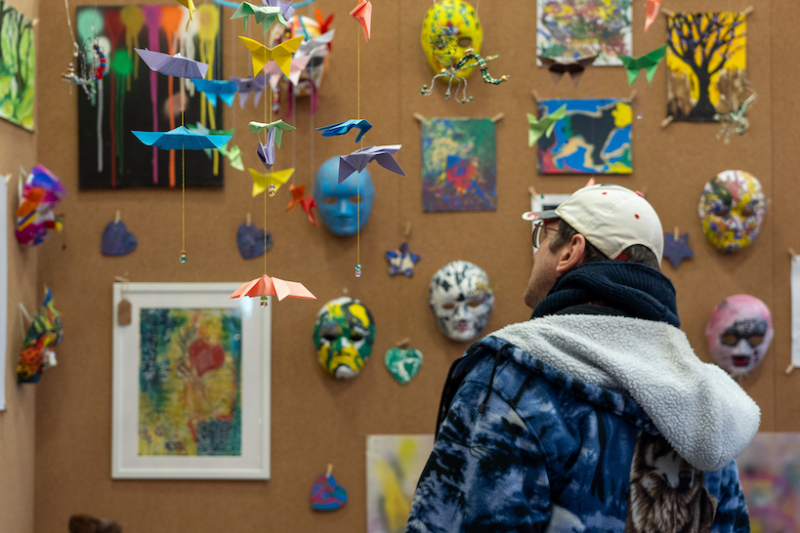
318, 421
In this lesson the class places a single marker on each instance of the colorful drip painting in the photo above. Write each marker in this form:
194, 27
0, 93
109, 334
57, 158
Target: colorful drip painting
189, 382
459, 165
593, 138
133, 97
574, 29
769, 470
706, 60
394, 465
17, 67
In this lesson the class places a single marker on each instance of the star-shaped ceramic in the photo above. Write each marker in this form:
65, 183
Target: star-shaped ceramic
402, 261
677, 250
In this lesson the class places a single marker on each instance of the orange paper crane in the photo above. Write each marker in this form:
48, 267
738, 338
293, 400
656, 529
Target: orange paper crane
308, 204
297, 196
651, 12
324, 24
363, 14
269, 286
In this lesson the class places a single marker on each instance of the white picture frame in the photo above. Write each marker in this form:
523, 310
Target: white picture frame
253, 386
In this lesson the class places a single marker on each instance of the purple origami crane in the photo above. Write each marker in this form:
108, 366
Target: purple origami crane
266, 152
358, 160
286, 7
177, 65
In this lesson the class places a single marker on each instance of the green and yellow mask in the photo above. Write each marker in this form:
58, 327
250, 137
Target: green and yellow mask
343, 335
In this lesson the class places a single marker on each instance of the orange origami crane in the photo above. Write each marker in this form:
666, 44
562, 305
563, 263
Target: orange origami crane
651, 12
363, 14
308, 204
269, 286
297, 196
324, 24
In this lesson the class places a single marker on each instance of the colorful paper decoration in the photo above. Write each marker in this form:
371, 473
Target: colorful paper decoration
739, 333
574, 67
343, 336
45, 332
281, 54
403, 363
270, 181
342, 128
245, 86
676, 248
363, 14
651, 12
37, 201
544, 126
648, 62
173, 65
117, 240
223, 89
358, 160
181, 138
264, 15
251, 241
402, 261
271, 286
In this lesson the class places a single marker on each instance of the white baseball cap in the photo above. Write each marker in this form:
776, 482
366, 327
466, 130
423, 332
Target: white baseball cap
611, 217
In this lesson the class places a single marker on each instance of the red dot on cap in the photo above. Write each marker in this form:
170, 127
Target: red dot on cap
640, 194
637, 217
605, 193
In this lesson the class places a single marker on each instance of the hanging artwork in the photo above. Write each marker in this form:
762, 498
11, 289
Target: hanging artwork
739, 333
344, 334
459, 164
593, 137
768, 471
732, 209
132, 97
191, 384
394, 465
575, 29
17, 67
461, 300
706, 60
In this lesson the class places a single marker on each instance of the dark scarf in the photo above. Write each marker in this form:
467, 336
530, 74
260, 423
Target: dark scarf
637, 290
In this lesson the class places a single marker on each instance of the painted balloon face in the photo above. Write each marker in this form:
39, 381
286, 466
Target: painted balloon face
461, 300
732, 209
451, 27
343, 335
338, 204
739, 333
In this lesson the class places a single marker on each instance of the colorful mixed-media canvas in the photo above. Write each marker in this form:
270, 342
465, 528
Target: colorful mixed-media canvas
394, 466
131, 97
706, 61
574, 29
459, 164
190, 376
593, 138
769, 470
17, 67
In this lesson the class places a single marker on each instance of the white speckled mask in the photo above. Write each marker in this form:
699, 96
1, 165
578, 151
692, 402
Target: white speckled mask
461, 300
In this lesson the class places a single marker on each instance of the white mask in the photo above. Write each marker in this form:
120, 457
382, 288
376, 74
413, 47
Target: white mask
461, 300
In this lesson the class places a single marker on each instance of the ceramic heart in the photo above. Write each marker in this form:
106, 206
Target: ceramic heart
250, 240
117, 240
403, 363
326, 495
205, 357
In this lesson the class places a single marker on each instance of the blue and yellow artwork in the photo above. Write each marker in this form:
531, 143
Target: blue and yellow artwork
459, 165
593, 138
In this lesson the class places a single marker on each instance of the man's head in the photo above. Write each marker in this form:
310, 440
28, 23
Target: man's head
597, 223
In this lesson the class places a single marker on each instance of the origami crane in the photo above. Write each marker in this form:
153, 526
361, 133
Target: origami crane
271, 286
271, 181
299, 65
188, 4
266, 152
245, 86
544, 126
651, 8
278, 126
225, 90
363, 14
286, 7
264, 15
310, 46
177, 65
342, 128
297, 195
324, 24
402, 261
234, 154
574, 68
358, 160
648, 62
307, 204
281, 54
181, 138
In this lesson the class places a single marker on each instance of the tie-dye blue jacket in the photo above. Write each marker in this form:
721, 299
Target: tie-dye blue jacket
576, 423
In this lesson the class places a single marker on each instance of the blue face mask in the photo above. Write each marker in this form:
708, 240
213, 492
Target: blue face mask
338, 204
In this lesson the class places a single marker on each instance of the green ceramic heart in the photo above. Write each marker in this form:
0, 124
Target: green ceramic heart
403, 363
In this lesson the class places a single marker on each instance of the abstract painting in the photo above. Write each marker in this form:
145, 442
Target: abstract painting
706, 61
17, 67
769, 470
131, 97
459, 165
394, 465
189, 375
573, 29
593, 138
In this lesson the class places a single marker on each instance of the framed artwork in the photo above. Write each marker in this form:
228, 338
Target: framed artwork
191, 384
573, 29
459, 164
3, 291
394, 466
131, 97
547, 202
706, 61
17, 67
593, 138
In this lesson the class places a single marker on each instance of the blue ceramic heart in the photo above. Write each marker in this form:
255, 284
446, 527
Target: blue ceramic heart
251, 241
117, 240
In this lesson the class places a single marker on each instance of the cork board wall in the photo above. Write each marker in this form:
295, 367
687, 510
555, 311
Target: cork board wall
315, 420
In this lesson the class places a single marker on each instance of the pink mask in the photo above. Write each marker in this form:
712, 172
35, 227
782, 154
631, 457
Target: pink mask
739, 333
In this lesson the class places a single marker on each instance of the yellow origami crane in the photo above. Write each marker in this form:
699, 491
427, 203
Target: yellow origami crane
281, 54
189, 4
262, 182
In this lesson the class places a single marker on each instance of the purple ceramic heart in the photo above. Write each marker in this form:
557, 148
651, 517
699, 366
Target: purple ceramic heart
117, 240
250, 240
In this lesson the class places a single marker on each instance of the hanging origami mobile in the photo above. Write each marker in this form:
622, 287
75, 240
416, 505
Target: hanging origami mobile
266, 151
324, 25
173, 65
299, 65
342, 128
270, 286
358, 160
37, 200
233, 154
306, 204
44, 332
545, 125
575, 68
245, 86
188, 4
281, 54
651, 12
270, 181
223, 89
363, 14
648, 62
264, 15
327, 495
402, 261
734, 122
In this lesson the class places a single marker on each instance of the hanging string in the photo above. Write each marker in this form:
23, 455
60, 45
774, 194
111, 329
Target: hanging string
267, 105
361, 145
183, 179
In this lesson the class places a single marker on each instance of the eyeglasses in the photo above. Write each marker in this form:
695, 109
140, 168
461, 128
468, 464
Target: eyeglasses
539, 234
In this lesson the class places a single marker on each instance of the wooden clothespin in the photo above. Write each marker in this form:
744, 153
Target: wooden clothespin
249, 221
632, 97
667, 121
329, 471
117, 217
403, 343
536, 97
532, 191
748, 11
791, 253
789, 369
7, 178
407, 232
497, 118
420, 118
676, 235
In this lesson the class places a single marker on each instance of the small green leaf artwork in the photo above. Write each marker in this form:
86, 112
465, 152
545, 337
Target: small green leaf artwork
403, 363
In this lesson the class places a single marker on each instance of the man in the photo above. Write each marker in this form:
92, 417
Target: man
595, 415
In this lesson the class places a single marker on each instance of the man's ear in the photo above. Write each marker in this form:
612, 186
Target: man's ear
571, 255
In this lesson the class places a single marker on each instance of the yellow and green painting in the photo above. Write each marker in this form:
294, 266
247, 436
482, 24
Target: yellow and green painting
17, 67
706, 61
190, 382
